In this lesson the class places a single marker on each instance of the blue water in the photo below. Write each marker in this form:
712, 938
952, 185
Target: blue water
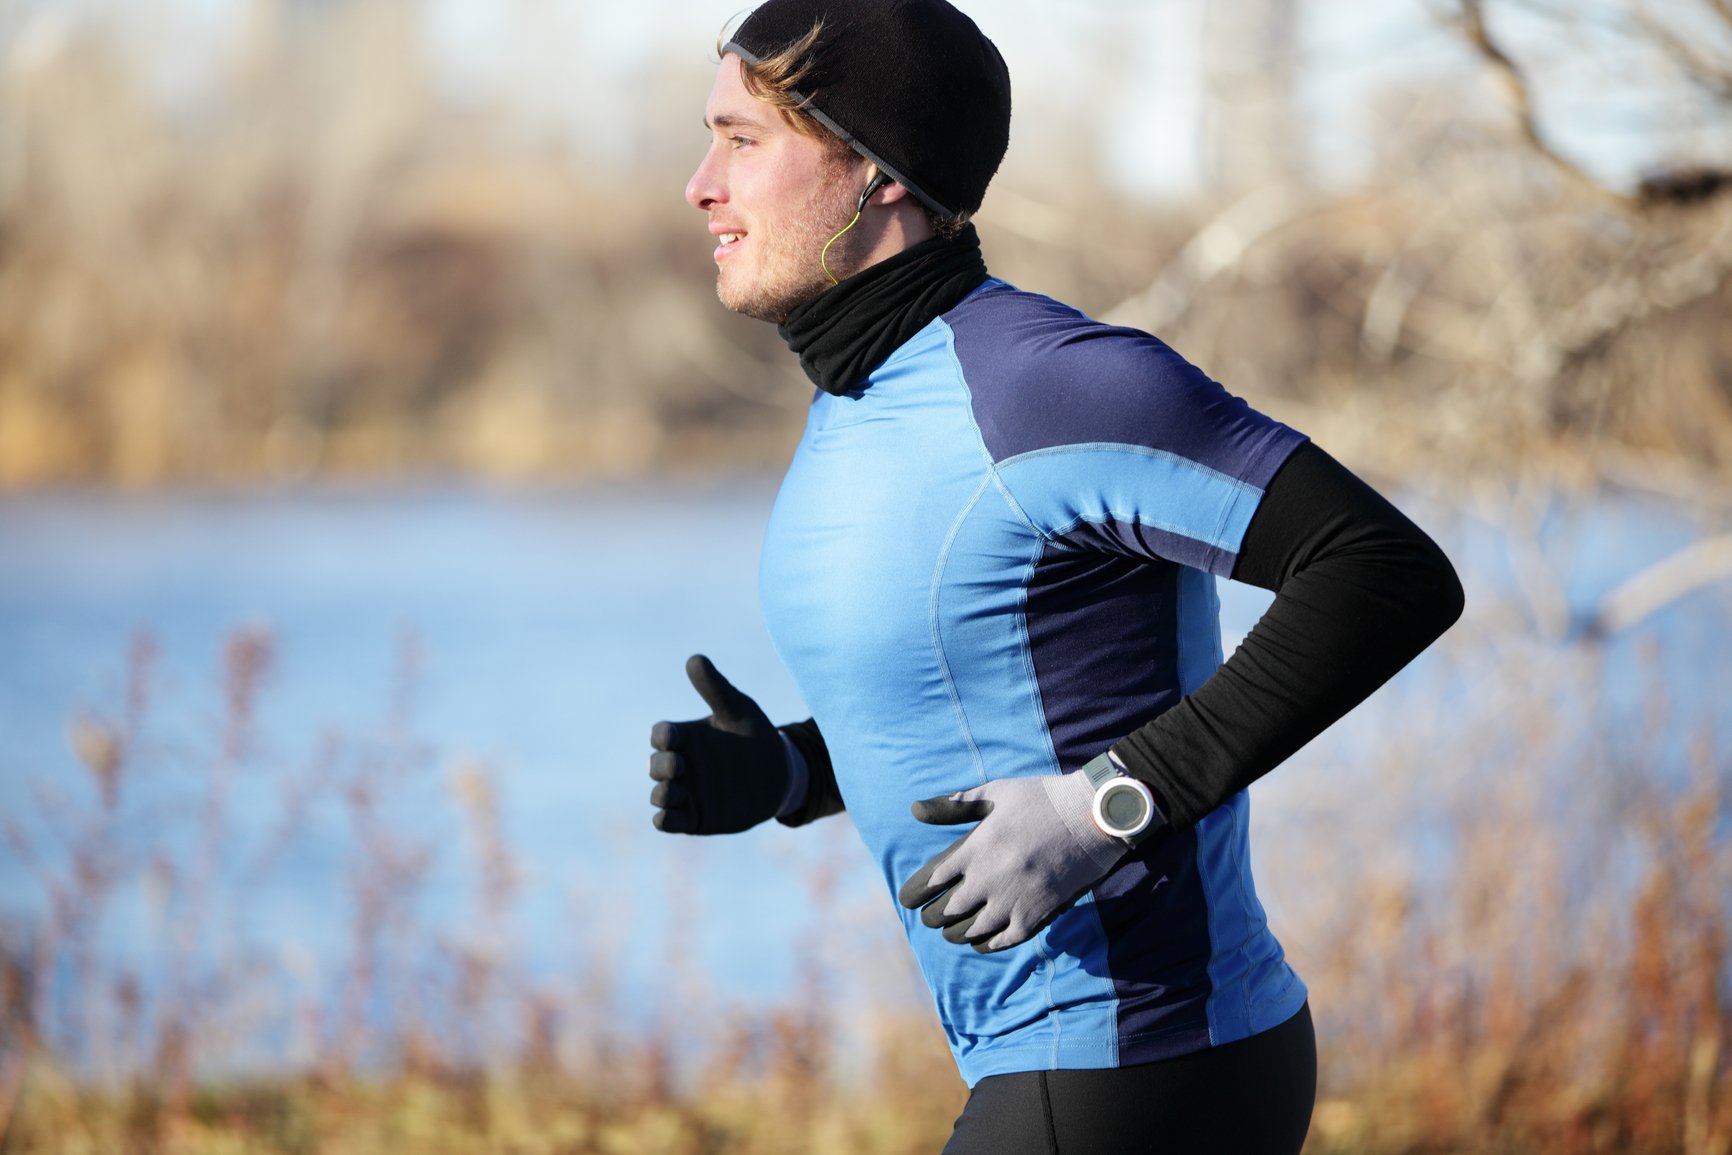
552, 632
551, 629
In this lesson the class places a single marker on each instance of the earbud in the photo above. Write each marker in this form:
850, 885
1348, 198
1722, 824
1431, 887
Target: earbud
878, 181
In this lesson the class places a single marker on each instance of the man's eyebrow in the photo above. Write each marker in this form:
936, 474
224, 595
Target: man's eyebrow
732, 120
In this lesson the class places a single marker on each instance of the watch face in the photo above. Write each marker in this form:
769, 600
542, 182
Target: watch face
1124, 808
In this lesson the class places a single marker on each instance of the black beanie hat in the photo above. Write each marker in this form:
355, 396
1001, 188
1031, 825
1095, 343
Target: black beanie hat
911, 85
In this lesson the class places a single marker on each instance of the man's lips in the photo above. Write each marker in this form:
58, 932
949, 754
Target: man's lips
730, 242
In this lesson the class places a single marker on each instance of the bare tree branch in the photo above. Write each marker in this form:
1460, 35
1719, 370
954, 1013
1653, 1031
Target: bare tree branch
1724, 8
1520, 98
1617, 304
1696, 566
1215, 248
1715, 76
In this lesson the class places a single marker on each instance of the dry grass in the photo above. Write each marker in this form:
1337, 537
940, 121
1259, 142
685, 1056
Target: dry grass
1520, 944
1559, 982
432, 1034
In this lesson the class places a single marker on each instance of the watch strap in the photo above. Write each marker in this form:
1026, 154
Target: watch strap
1102, 769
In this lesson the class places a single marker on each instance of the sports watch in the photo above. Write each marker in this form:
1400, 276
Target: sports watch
1124, 807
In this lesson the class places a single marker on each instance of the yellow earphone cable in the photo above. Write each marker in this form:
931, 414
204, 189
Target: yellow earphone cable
878, 180
823, 256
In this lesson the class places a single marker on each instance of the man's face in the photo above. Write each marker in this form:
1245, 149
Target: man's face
774, 196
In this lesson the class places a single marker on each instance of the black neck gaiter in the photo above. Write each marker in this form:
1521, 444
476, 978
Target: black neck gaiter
847, 331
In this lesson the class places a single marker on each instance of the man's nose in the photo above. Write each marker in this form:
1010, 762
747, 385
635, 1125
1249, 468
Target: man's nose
704, 189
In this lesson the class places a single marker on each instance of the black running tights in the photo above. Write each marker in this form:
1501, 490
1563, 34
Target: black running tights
1252, 1097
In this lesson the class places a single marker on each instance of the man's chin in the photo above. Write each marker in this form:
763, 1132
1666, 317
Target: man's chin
763, 304
748, 306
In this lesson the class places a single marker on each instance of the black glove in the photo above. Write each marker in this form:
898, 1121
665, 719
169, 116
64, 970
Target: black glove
721, 774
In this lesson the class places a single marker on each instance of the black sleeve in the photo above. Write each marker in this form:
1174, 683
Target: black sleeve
823, 797
1359, 591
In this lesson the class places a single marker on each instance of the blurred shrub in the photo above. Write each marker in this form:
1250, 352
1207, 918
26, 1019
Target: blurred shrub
1507, 892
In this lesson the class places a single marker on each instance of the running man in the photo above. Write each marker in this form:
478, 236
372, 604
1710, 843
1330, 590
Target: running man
991, 572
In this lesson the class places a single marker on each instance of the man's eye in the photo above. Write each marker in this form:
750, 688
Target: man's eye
740, 141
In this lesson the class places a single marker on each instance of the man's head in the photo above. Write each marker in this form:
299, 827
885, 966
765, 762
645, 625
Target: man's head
815, 97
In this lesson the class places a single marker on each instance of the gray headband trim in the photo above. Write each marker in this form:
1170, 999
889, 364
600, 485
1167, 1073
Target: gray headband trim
848, 138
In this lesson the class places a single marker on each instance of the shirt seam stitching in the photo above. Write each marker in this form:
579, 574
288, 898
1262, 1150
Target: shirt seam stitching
1132, 447
933, 623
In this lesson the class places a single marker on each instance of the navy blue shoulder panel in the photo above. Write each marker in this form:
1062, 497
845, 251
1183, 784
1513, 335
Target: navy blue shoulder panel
1044, 375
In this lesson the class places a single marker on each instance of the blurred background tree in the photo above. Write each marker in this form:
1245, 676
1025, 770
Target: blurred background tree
317, 240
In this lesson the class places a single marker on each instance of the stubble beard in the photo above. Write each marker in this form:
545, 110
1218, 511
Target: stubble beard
788, 269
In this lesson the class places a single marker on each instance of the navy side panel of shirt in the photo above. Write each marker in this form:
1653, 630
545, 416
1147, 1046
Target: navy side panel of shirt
995, 559
1102, 597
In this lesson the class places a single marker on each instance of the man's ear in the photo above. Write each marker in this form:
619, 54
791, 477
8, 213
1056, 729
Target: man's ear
890, 193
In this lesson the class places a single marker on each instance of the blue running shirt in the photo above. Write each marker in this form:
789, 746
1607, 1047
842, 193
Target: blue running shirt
996, 558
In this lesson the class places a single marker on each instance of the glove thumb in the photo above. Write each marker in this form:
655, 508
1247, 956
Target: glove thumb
949, 810
726, 703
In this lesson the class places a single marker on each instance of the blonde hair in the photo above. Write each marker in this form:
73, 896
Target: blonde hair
775, 79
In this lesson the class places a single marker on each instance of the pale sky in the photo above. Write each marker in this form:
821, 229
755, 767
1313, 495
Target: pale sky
1125, 77
1130, 72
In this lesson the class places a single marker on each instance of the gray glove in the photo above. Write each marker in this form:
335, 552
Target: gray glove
1036, 850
